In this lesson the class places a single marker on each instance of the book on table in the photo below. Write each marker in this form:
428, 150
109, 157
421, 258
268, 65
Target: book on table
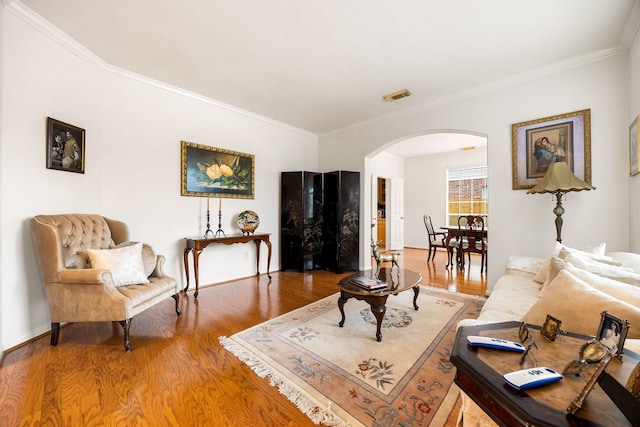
369, 283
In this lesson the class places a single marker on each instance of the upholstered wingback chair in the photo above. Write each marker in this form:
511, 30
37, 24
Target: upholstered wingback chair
91, 272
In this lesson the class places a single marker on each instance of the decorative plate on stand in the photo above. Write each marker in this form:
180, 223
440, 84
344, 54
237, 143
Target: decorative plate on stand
248, 221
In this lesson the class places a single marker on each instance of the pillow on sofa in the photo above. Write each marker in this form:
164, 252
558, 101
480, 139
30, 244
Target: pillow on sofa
620, 290
615, 272
594, 251
541, 275
579, 305
561, 251
125, 264
628, 259
149, 257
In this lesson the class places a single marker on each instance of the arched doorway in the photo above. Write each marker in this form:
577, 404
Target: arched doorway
421, 162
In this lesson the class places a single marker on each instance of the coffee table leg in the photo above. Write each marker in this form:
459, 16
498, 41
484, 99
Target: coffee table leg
416, 291
341, 301
379, 312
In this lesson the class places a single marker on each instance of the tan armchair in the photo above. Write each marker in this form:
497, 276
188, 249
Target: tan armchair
76, 292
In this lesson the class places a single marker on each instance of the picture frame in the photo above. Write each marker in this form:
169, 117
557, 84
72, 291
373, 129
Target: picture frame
551, 327
612, 333
65, 146
633, 147
537, 143
216, 172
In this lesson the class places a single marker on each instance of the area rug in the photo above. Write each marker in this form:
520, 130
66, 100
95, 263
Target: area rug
344, 377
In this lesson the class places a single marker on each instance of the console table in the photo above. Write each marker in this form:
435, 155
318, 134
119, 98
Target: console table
479, 374
197, 245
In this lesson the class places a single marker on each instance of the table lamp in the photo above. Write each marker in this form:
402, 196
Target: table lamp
559, 180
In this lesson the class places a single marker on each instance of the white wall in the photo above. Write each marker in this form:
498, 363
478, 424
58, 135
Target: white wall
133, 133
520, 223
634, 111
426, 190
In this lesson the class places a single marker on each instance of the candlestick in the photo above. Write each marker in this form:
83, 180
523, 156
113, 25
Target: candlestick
208, 230
220, 204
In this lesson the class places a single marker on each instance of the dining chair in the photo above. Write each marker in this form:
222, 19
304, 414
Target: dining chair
473, 239
436, 238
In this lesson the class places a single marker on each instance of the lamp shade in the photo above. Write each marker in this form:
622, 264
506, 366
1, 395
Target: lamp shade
559, 178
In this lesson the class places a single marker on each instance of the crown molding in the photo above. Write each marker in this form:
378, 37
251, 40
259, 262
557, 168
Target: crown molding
515, 79
26, 14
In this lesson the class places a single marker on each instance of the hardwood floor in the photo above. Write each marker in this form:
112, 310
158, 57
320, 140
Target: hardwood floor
177, 373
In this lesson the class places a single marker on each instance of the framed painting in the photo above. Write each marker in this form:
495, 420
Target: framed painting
633, 148
216, 172
65, 146
538, 143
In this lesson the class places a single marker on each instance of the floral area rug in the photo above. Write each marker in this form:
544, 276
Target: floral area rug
344, 377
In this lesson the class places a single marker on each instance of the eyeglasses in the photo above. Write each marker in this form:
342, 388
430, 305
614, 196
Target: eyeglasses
525, 336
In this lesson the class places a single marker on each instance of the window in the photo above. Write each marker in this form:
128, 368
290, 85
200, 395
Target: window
466, 193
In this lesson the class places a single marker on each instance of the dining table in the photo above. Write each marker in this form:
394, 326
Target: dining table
455, 232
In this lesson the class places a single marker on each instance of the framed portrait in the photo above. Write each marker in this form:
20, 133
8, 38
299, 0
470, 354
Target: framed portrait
633, 148
216, 172
612, 333
65, 146
551, 327
538, 143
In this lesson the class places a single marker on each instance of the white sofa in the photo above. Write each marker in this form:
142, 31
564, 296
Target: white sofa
533, 287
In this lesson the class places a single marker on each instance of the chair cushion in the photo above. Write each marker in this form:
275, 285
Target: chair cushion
125, 264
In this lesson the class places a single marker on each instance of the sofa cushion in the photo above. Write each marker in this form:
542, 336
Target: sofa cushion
125, 264
579, 306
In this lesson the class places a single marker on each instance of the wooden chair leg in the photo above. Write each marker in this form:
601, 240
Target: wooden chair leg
126, 325
55, 333
177, 298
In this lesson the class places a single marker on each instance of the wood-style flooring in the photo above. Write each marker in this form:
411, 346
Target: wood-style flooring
177, 373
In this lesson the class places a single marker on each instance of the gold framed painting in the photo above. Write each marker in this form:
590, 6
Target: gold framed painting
216, 172
535, 144
633, 148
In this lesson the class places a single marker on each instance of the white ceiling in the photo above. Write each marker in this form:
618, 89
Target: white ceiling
324, 65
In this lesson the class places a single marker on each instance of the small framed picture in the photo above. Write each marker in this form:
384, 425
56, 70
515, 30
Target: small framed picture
612, 332
551, 327
65, 146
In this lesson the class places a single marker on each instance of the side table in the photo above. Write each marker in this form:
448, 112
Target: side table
198, 244
479, 374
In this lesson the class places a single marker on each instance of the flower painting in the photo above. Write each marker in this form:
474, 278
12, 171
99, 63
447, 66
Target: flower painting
215, 172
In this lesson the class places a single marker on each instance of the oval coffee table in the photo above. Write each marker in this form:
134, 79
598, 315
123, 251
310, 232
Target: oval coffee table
398, 280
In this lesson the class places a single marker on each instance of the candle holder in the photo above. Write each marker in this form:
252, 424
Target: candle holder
209, 230
219, 232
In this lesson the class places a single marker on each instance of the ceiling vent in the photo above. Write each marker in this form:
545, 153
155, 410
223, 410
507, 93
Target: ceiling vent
397, 95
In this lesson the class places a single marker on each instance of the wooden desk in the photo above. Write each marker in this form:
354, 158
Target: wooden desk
197, 245
479, 374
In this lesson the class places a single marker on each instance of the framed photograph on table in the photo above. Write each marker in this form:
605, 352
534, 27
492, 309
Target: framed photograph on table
612, 333
216, 172
536, 144
633, 148
65, 146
